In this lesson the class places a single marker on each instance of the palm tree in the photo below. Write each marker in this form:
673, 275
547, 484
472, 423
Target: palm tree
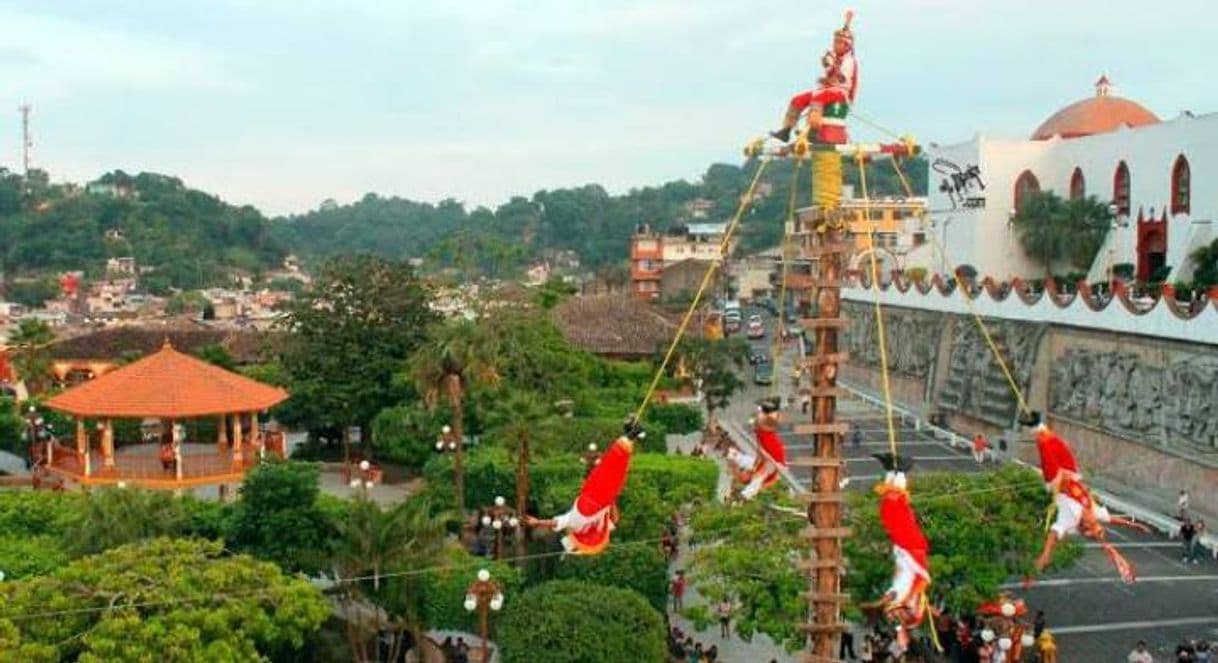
1052, 230
31, 360
1205, 265
517, 418
456, 354
374, 542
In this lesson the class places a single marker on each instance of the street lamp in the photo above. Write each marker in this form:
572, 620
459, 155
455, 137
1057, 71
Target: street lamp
447, 441
34, 430
484, 595
498, 517
363, 479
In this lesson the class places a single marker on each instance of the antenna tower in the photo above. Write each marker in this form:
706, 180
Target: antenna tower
26, 143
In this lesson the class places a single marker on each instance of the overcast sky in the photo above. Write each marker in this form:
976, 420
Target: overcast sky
283, 103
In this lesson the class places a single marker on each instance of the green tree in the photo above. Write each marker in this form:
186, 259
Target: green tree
1052, 231
165, 600
278, 517
456, 354
33, 293
189, 302
716, 364
567, 620
361, 317
372, 542
217, 355
1205, 265
12, 427
112, 517
31, 357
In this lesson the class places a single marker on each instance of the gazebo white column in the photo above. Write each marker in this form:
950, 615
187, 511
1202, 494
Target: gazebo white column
238, 458
108, 444
257, 435
177, 448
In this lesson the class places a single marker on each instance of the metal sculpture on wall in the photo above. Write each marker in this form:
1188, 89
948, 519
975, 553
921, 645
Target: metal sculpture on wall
913, 338
960, 183
975, 385
1123, 394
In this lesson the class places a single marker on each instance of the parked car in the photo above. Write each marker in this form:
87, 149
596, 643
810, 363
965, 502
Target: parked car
763, 373
758, 356
756, 329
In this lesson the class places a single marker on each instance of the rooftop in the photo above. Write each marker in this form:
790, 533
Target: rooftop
167, 384
613, 325
1095, 115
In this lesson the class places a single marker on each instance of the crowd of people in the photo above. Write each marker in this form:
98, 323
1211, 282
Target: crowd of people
682, 648
1188, 651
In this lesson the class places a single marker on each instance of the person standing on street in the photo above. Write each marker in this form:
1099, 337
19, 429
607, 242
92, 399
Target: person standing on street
677, 588
980, 447
1188, 532
1198, 532
846, 646
724, 610
1182, 505
1140, 654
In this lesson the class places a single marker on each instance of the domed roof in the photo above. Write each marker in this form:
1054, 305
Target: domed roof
1096, 115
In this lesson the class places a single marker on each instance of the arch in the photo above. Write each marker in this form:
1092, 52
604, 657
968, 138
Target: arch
1078, 185
1181, 186
1120, 188
1025, 185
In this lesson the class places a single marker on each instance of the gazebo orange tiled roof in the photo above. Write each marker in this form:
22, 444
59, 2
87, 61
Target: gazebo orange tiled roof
170, 386
167, 384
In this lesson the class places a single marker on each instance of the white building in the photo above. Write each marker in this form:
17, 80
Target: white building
1103, 146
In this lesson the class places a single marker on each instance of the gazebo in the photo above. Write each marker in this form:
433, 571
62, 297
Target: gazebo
166, 387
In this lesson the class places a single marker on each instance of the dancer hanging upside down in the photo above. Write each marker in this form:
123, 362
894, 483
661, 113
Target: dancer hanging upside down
1077, 511
757, 471
836, 88
905, 601
594, 514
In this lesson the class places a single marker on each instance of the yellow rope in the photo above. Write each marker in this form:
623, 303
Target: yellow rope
777, 347
706, 279
985, 332
879, 311
826, 179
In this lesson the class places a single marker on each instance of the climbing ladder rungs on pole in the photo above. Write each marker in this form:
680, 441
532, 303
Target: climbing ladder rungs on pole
824, 628
811, 532
818, 564
816, 463
819, 597
824, 323
812, 361
838, 427
825, 392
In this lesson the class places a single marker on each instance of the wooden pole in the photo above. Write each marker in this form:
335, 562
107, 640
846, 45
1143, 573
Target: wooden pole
238, 457
108, 444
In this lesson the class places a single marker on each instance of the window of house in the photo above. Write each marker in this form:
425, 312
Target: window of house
1078, 185
1025, 185
1180, 186
1120, 188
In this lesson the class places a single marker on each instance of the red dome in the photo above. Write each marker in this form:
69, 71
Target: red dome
1099, 114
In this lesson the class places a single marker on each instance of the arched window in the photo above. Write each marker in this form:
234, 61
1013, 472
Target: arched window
1180, 186
1025, 185
1078, 185
1120, 188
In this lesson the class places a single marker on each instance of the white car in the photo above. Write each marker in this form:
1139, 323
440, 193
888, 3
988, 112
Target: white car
756, 329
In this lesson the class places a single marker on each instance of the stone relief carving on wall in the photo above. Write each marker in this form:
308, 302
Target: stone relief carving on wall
975, 384
1122, 394
913, 339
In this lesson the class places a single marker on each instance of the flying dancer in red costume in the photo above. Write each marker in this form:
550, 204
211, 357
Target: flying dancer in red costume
836, 88
591, 519
761, 471
905, 601
1077, 510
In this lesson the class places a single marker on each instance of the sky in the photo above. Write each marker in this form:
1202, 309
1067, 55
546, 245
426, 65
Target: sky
285, 103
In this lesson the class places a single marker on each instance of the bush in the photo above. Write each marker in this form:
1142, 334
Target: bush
639, 567
916, 274
566, 621
443, 590
31, 513
22, 556
676, 418
406, 434
278, 517
1123, 270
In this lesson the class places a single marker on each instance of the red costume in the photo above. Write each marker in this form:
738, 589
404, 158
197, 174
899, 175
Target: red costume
592, 518
905, 599
1077, 512
764, 469
834, 94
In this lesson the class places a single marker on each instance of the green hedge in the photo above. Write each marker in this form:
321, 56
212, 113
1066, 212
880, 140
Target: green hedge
676, 418
443, 590
639, 567
559, 435
567, 621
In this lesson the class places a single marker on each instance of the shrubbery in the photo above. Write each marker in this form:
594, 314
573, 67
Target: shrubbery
555, 620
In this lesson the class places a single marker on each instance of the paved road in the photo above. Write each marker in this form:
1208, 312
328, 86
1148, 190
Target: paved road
1094, 615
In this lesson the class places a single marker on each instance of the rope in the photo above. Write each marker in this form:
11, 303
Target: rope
706, 279
968, 302
777, 347
985, 332
879, 312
